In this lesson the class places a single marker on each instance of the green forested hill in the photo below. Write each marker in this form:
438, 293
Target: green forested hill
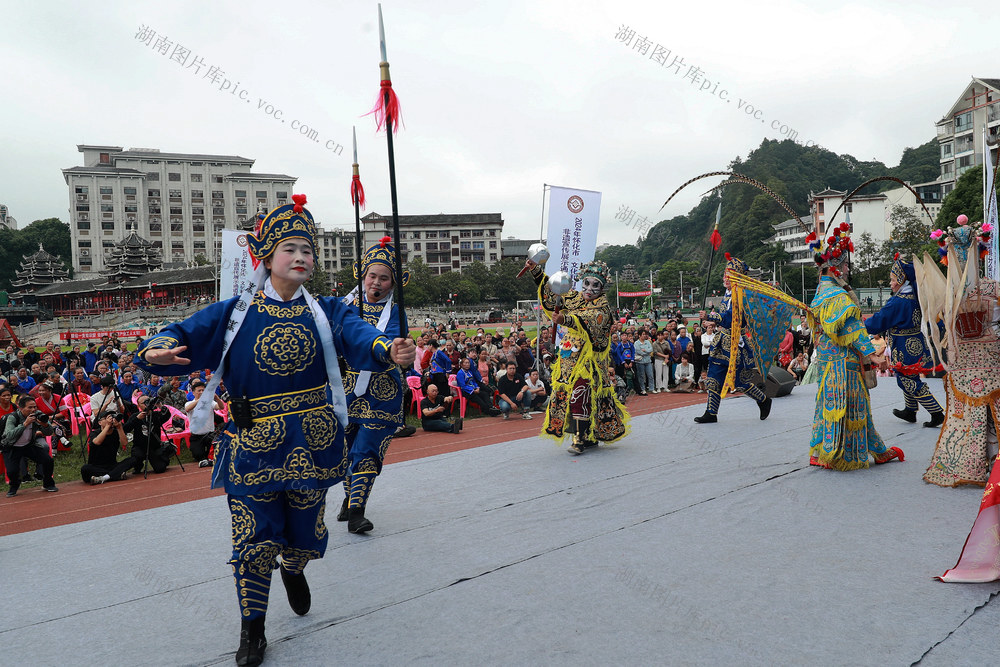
787, 168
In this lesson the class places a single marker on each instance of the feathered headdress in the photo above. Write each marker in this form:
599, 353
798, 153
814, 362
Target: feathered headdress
835, 252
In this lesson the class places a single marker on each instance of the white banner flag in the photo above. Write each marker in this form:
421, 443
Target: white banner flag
572, 238
990, 212
236, 268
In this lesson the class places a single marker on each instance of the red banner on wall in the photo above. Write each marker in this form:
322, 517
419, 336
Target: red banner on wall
646, 293
97, 335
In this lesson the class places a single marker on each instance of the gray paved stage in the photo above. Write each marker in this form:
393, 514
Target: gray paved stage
668, 549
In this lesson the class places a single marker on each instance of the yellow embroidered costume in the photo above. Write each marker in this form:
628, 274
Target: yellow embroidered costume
584, 401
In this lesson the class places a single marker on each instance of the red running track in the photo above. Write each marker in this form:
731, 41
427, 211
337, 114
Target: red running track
34, 508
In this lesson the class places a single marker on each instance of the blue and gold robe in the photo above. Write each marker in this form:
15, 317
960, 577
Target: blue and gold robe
276, 360
377, 413
718, 359
843, 434
899, 321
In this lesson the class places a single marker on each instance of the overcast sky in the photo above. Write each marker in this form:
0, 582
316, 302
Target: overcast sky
498, 98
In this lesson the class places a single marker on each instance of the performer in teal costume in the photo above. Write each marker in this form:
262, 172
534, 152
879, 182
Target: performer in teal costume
285, 445
374, 400
843, 434
899, 320
718, 356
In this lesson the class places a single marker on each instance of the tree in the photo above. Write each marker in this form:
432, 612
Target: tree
201, 260
967, 198
669, 278
869, 256
319, 283
51, 233
910, 233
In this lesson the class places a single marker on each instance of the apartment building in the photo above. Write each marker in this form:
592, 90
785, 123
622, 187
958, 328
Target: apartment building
960, 136
179, 201
445, 242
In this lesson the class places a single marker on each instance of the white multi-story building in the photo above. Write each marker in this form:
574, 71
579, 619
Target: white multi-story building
6, 219
867, 213
960, 136
444, 242
179, 201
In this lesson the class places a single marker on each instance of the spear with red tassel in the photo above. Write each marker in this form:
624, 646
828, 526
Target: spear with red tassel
715, 240
387, 114
358, 198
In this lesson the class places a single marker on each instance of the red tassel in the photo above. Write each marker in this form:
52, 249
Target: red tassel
357, 191
715, 239
383, 111
728, 257
300, 201
384, 241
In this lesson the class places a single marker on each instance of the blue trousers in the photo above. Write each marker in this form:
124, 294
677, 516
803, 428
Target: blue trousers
267, 525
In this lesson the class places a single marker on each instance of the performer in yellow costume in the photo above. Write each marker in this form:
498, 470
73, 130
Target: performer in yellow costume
843, 434
584, 401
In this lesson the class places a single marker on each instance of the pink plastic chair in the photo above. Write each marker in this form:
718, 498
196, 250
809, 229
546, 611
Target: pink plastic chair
413, 382
77, 406
462, 401
179, 436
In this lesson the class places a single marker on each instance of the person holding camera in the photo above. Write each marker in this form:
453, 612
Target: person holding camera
105, 399
201, 443
102, 460
24, 438
145, 427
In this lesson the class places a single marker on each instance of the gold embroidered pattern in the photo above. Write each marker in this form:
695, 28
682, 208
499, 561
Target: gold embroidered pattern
283, 349
384, 447
320, 530
244, 524
320, 428
362, 409
281, 404
383, 386
305, 499
263, 436
915, 346
298, 465
350, 380
274, 310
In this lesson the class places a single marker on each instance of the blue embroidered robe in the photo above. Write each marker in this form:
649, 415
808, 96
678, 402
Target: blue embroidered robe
276, 360
378, 412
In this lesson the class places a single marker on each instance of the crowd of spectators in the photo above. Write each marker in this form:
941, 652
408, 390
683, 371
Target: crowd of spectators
89, 383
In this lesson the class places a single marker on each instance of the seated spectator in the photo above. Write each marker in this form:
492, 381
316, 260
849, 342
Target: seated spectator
433, 410
702, 382
684, 375
145, 427
798, 366
25, 381
201, 443
513, 391
470, 384
102, 458
535, 387
24, 438
128, 386
7, 405
487, 371
175, 396
81, 383
50, 405
154, 386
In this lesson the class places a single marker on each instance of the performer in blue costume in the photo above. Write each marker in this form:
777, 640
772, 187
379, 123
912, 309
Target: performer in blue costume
718, 356
374, 400
276, 347
843, 434
899, 320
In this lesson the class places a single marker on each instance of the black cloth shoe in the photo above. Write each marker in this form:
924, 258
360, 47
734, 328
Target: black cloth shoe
252, 642
342, 515
906, 415
707, 418
356, 521
765, 409
297, 590
937, 418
